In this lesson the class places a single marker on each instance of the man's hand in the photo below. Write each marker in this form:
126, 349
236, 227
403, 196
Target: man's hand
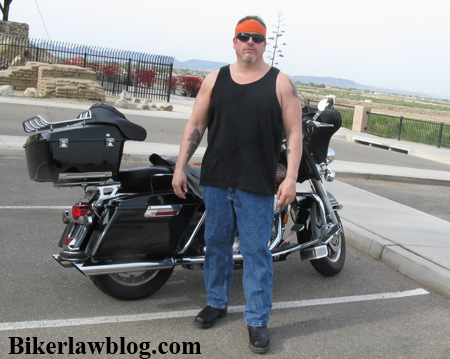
286, 193
179, 183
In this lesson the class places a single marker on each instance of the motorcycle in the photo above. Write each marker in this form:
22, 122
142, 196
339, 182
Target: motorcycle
129, 231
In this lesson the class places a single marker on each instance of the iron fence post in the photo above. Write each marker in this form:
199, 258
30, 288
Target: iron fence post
400, 128
441, 130
170, 83
128, 73
84, 60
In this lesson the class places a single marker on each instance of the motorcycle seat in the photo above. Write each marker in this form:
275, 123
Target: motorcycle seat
106, 114
150, 178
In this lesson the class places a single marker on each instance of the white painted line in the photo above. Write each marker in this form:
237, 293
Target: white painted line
191, 313
35, 207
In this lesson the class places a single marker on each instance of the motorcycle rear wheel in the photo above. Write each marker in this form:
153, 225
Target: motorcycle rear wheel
334, 261
133, 285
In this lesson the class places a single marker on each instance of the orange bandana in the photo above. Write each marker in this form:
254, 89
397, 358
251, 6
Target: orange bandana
250, 26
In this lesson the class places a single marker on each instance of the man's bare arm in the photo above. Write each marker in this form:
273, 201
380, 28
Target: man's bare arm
292, 121
193, 134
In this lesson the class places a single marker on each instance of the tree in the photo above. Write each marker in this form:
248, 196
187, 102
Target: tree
277, 34
5, 9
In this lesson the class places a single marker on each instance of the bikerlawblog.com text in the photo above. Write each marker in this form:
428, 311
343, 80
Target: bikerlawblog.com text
120, 346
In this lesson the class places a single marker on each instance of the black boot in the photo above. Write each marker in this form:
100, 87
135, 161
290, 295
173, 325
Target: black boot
209, 316
259, 339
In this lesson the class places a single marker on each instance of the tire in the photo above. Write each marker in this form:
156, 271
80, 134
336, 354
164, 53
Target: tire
133, 285
334, 262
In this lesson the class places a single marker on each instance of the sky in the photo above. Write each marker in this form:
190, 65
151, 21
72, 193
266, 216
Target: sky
392, 44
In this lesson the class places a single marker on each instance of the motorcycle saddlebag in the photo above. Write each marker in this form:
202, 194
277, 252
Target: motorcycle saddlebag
75, 154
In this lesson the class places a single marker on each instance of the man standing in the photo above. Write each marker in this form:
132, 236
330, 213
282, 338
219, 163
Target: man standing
247, 107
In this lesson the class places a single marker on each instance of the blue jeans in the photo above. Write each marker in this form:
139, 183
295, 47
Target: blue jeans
251, 214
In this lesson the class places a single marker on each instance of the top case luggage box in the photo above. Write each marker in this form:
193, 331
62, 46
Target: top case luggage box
75, 154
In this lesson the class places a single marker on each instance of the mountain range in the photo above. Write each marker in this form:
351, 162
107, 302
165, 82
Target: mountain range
208, 66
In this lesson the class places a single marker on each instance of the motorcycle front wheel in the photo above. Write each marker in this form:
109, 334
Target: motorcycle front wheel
334, 261
132, 285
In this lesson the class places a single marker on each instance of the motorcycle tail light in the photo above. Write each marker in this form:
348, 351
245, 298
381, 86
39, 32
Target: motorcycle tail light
80, 210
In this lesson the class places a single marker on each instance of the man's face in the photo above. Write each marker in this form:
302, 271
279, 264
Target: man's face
247, 49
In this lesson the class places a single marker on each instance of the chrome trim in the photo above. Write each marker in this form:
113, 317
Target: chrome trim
314, 253
191, 238
322, 193
77, 233
279, 236
81, 175
101, 269
335, 230
38, 123
63, 143
153, 210
92, 269
109, 142
65, 264
321, 206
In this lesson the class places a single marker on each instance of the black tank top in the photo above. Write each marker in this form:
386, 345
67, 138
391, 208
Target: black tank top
245, 131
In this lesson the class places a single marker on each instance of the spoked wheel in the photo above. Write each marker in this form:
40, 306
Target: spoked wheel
132, 285
333, 263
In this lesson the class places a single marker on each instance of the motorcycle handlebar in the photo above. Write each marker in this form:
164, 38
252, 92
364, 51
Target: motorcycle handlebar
316, 124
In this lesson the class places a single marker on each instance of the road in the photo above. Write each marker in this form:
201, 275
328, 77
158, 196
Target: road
367, 311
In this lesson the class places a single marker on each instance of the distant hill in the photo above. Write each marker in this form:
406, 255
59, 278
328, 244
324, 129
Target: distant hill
348, 84
207, 66
198, 65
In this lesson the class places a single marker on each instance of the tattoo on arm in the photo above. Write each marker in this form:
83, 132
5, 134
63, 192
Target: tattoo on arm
294, 89
194, 139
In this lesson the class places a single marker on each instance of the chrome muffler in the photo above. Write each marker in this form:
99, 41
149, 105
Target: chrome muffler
94, 269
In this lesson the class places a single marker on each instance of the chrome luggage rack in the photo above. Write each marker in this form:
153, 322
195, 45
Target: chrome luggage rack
38, 123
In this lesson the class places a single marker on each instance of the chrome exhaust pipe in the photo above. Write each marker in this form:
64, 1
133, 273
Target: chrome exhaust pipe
91, 269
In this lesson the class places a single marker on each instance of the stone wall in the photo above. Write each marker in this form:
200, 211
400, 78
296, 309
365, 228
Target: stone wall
14, 28
20, 77
69, 81
54, 80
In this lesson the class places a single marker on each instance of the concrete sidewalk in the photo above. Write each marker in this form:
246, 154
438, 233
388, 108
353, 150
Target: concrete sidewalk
412, 242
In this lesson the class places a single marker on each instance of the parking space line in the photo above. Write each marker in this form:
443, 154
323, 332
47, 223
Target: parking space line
191, 313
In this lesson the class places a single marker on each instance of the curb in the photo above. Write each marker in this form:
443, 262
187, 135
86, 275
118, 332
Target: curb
410, 264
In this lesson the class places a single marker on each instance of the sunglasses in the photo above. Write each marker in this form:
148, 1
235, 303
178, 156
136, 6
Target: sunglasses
245, 36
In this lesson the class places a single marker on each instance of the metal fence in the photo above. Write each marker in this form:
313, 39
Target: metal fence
142, 75
409, 129
401, 128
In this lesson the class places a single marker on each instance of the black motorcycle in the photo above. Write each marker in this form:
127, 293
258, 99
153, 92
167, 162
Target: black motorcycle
130, 230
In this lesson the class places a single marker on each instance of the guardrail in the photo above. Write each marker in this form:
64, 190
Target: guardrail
140, 74
428, 132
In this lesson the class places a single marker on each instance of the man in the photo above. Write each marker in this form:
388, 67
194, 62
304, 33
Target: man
247, 108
